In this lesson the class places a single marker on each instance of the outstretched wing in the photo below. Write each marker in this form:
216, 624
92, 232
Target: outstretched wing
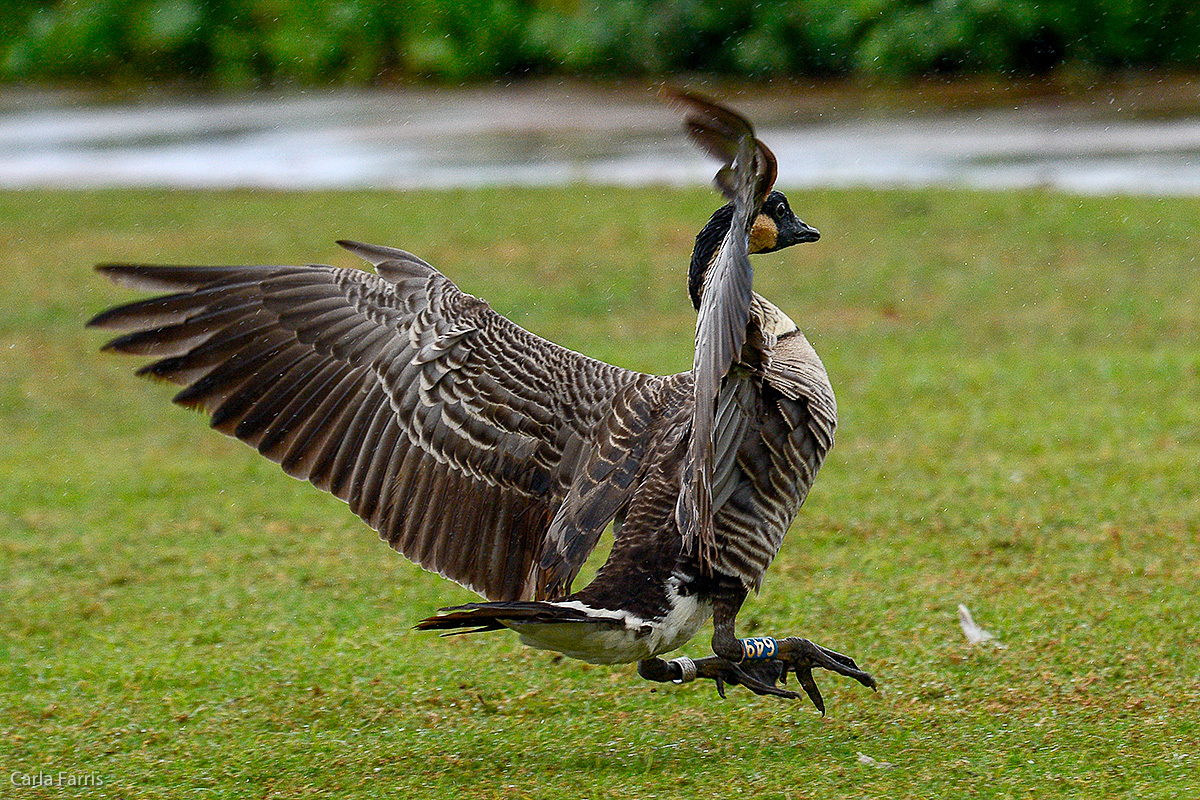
747, 174
449, 429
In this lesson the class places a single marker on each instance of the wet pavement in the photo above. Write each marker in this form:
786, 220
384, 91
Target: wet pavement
555, 135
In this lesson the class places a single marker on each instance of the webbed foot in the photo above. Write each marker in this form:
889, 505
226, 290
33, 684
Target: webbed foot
801, 655
763, 668
762, 678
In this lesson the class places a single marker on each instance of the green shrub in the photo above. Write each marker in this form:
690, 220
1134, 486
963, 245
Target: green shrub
254, 42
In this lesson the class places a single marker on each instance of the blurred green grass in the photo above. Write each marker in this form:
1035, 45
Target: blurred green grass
1018, 377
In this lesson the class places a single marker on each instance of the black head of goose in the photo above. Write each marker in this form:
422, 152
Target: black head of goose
775, 227
496, 458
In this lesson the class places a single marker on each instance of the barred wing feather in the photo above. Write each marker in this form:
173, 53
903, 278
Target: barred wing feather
446, 427
747, 174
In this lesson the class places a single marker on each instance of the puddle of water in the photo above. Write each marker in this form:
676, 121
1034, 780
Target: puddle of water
445, 139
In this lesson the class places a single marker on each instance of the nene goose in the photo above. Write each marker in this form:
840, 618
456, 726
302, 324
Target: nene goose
496, 458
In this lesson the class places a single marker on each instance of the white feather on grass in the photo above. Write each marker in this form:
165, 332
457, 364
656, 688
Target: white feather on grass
975, 634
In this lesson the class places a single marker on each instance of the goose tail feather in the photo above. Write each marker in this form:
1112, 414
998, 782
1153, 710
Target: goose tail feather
480, 617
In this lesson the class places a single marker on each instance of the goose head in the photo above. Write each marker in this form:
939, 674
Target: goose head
775, 227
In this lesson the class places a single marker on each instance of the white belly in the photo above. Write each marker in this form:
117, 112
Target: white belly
617, 637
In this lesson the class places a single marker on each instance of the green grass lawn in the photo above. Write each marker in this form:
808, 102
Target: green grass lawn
1018, 377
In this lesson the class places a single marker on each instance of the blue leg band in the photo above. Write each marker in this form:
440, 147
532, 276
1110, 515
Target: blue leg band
759, 648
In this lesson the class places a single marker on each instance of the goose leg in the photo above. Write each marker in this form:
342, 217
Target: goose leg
760, 678
760, 664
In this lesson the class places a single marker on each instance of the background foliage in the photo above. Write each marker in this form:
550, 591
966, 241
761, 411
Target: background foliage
240, 43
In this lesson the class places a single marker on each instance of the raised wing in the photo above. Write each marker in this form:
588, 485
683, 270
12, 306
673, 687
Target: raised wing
747, 174
446, 427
